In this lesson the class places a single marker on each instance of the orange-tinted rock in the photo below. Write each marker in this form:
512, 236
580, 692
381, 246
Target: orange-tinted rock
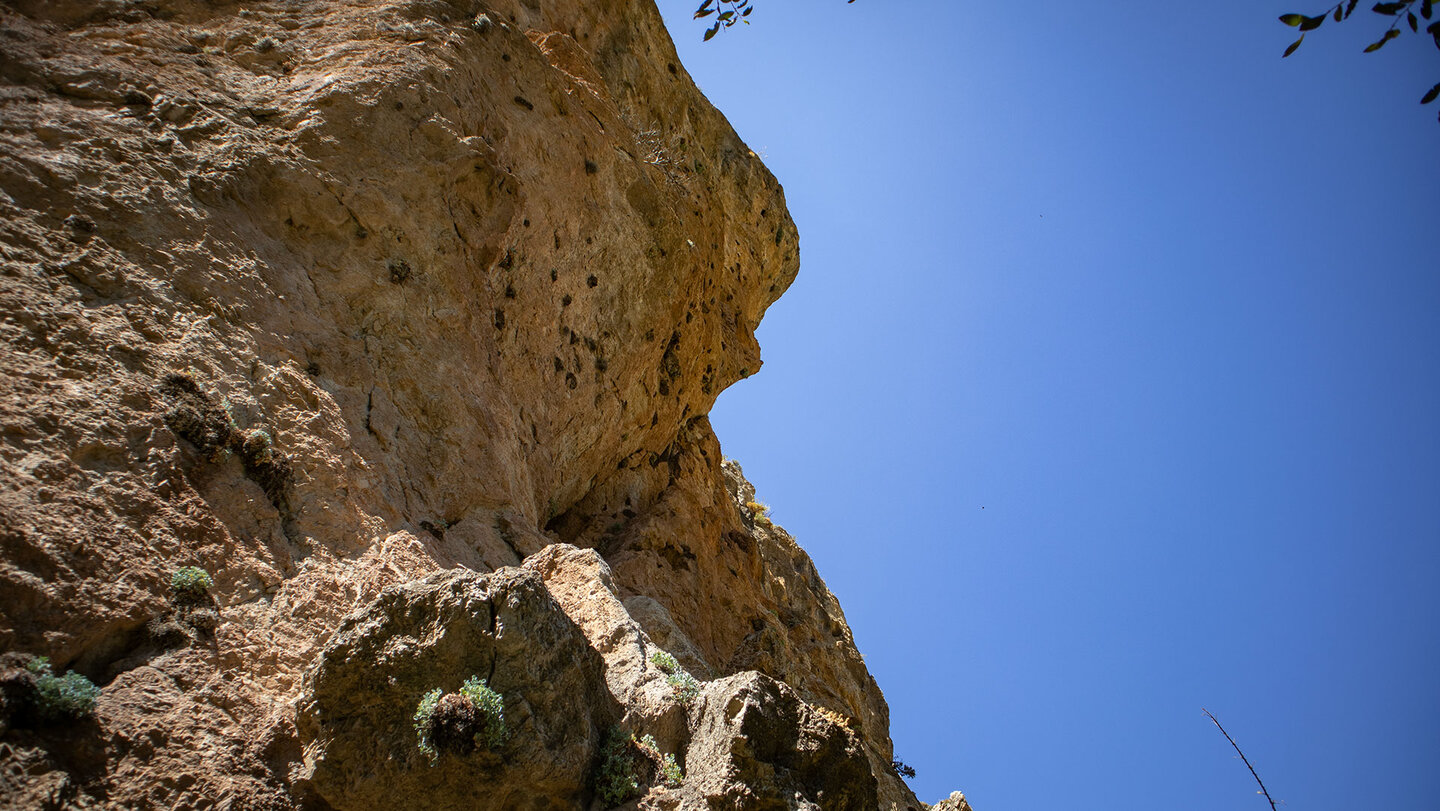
326, 296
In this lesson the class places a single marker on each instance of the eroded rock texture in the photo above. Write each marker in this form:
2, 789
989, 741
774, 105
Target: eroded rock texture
356, 716
358, 306
759, 746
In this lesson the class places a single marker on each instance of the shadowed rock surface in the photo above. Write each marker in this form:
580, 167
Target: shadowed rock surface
758, 746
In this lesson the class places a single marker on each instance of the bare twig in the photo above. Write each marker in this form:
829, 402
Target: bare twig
1242, 757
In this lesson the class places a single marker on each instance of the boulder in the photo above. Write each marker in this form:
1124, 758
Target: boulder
758, 746
356, 720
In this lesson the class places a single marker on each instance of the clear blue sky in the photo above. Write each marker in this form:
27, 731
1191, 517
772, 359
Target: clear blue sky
1109, 389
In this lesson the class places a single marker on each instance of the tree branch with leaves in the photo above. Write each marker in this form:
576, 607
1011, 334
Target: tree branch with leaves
1403, 14
727, 13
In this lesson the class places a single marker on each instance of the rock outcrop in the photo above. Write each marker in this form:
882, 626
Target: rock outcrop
401, 318
759, 746
356, 716
955, 802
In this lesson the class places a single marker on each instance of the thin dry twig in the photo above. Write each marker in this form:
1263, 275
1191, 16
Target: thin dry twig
1216, 721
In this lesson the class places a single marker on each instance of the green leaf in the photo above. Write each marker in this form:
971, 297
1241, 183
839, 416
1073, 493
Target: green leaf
1425, 9
1388, 8
1350, 8
725, 15
746, 12
1311, 23
1338, 12
1292, 19
1293, 46
1389, 35
710, 32
1414, 23
1429, 97
700, 14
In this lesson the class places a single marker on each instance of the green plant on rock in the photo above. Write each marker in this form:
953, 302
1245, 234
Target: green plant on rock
61, 698
670, 771
617, 780
666, 769
627, 763
424, 713
189, 585
492, 706
664, 661
686, 687
760, 513
460, 722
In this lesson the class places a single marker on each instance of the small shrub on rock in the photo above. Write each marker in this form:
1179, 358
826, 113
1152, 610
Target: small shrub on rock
760, 512
616, 781
685, 686
190, 585
670, 772
664, 661
460, 722
70, 697
628, 763
667, 771
492, 706
424, 715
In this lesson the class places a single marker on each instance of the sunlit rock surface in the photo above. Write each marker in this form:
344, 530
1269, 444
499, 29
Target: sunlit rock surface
351, 303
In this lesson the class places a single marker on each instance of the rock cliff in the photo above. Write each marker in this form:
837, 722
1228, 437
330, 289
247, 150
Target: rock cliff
400, 318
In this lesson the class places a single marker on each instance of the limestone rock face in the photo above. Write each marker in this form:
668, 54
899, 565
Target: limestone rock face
580, 581
358, 305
